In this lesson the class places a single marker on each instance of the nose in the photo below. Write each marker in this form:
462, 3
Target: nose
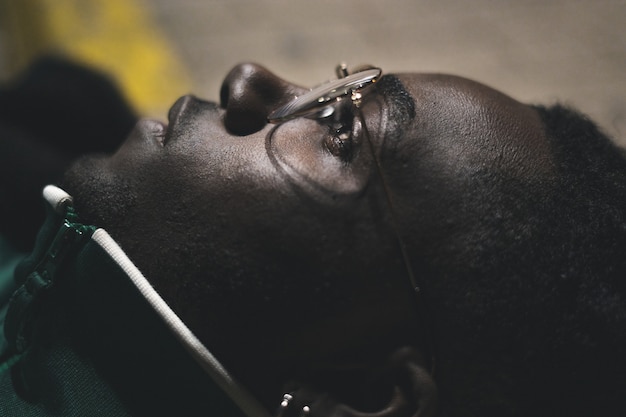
249, 94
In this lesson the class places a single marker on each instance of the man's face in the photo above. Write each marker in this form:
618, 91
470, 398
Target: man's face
251, 229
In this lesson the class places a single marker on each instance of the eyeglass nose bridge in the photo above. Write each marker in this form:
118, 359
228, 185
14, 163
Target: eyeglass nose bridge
319, 102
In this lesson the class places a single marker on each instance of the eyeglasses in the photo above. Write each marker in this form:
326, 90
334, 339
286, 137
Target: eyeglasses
321, 102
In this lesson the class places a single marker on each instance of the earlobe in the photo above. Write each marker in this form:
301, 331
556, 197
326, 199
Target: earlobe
415, 381
409, 389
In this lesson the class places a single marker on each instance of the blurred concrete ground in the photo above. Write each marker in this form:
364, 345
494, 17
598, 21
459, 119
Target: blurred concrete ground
535, 50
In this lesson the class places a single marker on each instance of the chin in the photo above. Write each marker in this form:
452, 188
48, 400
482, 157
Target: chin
100, 197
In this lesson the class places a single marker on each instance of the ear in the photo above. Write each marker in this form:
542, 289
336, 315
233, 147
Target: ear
403, 387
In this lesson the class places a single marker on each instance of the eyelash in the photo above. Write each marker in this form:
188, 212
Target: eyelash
339, 141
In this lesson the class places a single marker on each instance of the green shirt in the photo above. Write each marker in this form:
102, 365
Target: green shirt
100, 341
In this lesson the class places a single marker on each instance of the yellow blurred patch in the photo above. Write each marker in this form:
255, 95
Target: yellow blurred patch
116, 36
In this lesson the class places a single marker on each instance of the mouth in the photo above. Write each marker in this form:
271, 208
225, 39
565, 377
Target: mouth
150, 130
184, 106
178, 109
174, 115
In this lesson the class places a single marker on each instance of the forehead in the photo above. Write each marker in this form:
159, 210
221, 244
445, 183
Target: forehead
450, 98
446, 84
464, 125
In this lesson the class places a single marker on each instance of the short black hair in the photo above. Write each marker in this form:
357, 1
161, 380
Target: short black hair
589, 262
540, 315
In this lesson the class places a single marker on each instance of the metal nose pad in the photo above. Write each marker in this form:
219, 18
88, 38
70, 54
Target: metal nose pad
319, 102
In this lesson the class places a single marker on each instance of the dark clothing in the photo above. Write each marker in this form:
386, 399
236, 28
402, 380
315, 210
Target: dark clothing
88, 342
95, 346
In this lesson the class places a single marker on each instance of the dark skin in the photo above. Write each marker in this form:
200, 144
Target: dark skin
277, 244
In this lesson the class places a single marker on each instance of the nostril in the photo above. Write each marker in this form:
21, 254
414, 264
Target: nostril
243, 98
244, 121
249, 93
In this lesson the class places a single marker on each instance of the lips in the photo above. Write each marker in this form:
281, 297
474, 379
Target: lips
149, 131
175, 114
178, 109
185, 108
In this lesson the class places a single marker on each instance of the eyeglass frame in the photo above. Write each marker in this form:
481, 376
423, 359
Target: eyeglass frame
319, 103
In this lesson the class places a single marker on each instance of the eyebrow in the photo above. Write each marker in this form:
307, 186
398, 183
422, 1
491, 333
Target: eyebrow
401, 104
